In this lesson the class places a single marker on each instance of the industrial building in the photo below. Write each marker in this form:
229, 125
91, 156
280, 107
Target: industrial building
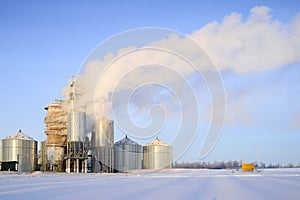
68, 149
54, 147
19, 153
157, 155
128, 155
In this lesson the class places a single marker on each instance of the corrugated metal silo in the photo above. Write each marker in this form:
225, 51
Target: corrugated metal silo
76, 160
76, 126
20, 149
103, 146
128, 155
157, 155
43, 156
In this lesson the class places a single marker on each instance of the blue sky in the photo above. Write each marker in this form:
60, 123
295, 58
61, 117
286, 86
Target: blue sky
41, 43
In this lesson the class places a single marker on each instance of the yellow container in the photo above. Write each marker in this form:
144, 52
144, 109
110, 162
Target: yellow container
247, 167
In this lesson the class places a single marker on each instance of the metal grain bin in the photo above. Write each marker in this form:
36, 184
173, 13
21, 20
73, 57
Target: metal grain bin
104, 133
103, 146
43, 156
157, 155
21, 149
128, 155
76, 126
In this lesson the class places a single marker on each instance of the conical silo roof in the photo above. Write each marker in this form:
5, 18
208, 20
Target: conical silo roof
157, 142
19, 135
126, 140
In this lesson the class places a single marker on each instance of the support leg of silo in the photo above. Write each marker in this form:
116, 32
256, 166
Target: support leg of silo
74, 165
85, 166
68, 165
77, 165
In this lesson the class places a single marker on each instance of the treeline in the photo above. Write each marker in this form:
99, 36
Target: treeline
228, 165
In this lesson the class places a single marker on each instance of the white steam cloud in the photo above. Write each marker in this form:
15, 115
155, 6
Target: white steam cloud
256, 43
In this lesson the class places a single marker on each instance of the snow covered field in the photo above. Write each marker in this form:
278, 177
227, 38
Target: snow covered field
164, 184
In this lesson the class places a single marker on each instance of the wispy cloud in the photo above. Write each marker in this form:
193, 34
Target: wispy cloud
259, 42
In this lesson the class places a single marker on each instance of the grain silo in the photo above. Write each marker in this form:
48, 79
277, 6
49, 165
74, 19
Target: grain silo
76, 159
128, 155
76, 155
42, 161
103, 146
157, 155
19, 153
